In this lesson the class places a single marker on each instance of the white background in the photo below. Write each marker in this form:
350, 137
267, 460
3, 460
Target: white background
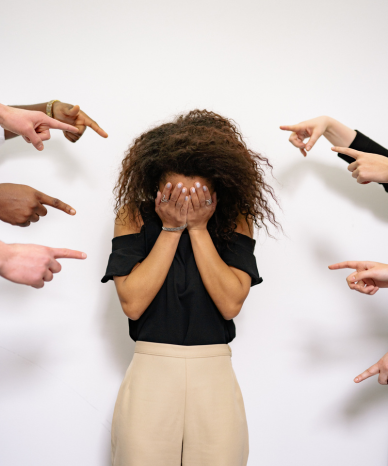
302, 336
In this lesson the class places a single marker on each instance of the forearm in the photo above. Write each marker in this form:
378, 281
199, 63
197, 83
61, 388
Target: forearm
137, 290
338, 134
3, 255
223, 285
36, 107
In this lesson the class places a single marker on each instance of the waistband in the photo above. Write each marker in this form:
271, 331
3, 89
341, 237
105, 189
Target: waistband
178, 351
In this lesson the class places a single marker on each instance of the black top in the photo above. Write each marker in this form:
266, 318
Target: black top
182, 313
364, 144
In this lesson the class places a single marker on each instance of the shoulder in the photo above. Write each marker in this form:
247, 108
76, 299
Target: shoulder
244, 226
126, 223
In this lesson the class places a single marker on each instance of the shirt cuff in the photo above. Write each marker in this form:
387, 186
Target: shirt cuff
2, 137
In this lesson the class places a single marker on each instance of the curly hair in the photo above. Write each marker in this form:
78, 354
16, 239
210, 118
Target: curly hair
199, 143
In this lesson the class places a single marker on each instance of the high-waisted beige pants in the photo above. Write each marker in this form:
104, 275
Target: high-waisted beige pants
180, 405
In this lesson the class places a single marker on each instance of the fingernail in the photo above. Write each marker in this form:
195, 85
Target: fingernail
183, 190
168, 185
84, 256
186, 198
308, 148
179, 185
193, 190
40, 147
205, 188
72, 212
197, 185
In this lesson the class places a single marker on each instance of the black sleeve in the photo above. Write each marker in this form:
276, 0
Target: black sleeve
364, 144
239, 254
127, 251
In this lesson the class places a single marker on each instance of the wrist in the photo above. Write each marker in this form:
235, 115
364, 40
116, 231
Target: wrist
3, 112
4, 253
50, 108
197, 231
332, 127
172, 234
328, 123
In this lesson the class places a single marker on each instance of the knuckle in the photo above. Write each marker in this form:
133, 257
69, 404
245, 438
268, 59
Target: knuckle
56, 202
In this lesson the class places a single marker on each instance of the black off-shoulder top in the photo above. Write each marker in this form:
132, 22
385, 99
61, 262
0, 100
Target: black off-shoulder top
182, 313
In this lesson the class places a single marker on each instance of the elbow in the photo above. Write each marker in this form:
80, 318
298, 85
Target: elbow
231, 310
132, 311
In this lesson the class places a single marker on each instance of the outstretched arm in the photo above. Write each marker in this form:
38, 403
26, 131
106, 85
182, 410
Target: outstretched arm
368, 277
65, 113
33, 265
335, 132
33, 126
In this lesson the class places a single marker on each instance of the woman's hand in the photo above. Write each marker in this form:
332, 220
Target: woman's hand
334, 131
172, 205
73, 115
201, 207
366, 167
380, 368
312, 129
370, 276
33, 126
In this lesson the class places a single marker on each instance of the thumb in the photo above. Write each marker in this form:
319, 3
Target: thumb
34, 139
313, 139
363, 275
72, 110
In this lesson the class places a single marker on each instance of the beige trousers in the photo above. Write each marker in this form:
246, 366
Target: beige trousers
180, 405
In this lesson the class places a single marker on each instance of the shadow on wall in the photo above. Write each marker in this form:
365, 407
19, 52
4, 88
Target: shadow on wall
372, 197
328, 348
116, 333
114, 323
66, 162
373, 313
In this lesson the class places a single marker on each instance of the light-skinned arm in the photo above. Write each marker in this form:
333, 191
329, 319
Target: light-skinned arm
65, 113
32, 125
335, 132
367, 167
31, 264
137, 290
368, 278
227, 286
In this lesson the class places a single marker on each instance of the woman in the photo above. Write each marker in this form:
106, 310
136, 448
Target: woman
188, 196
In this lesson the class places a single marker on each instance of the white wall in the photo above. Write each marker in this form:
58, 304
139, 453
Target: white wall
302, 336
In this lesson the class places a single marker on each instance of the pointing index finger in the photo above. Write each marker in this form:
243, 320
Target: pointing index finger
95, 127
346, 151
55, 124
56, 203
289, 127
62, 253
344, 265
373, 370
